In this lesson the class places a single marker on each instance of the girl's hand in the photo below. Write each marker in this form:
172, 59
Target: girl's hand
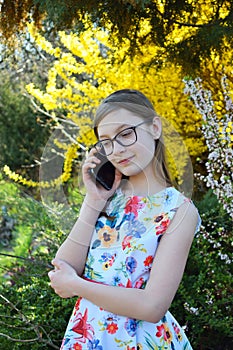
95, 190
64, 279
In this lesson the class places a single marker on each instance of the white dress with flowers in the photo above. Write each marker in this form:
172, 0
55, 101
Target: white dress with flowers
121, 254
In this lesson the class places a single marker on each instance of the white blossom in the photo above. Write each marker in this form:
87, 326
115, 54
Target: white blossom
218, 136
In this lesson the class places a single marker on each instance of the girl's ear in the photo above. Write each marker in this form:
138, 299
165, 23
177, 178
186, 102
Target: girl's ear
156, 128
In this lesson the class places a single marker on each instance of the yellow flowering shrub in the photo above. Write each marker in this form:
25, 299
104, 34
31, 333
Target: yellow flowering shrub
93, 65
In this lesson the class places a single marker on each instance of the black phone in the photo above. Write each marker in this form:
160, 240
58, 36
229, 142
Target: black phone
104, 172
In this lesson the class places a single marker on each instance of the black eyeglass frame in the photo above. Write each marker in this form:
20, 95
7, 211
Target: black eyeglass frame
119, 142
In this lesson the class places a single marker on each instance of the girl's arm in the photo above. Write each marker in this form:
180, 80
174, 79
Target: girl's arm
149, 304
75, 247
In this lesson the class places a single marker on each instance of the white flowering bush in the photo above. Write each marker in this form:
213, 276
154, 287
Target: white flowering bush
206, 289
218, 134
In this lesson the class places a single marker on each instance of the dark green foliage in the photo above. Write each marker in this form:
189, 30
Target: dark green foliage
33, 311
205, 297
126, 15
22, 137
29, 308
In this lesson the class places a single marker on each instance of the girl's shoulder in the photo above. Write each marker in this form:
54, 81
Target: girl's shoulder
177, 200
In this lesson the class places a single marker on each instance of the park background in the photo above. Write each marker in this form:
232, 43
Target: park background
58, 61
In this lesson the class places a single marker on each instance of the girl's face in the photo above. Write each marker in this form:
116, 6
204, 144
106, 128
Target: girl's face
136, 158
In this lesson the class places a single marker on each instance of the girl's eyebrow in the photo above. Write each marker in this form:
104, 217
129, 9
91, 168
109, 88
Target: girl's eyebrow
122, 126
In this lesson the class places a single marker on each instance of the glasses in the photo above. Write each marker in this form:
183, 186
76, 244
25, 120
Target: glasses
125, 138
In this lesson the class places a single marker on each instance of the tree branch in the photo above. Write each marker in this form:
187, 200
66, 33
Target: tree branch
34, 328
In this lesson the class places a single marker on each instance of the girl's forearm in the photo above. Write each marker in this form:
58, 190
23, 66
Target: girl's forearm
129, 302
74, 249
84, 226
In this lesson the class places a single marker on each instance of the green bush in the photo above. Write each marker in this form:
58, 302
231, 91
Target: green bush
32, 315
30, 310
205, 297
22, 137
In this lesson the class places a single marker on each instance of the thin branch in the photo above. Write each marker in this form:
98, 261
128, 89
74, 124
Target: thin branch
19, 340
36, 262
34, 328
71, 138
24, 318
33, 340
55, 118
58, 119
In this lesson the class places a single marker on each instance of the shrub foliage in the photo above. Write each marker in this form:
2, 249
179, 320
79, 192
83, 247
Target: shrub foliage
33, 317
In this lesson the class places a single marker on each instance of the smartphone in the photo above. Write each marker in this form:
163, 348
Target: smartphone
104, 172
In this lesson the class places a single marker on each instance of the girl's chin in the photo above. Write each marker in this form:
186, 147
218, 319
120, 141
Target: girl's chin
130, 173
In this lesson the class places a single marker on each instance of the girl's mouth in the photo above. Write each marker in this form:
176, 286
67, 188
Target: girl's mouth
125, 161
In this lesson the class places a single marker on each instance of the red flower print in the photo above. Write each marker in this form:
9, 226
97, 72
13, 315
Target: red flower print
120, 285
76, 307
162, 227
133, 205
126, 242
160, 330
129, 348
82, 328
129, 284
164, 331
77, 347
112, 328
148, 261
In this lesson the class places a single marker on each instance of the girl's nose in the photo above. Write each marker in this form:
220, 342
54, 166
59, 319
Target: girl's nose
117, 147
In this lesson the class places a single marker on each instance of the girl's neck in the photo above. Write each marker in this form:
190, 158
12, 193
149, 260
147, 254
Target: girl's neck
142, 185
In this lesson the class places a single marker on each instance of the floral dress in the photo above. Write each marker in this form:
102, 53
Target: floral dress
121, 254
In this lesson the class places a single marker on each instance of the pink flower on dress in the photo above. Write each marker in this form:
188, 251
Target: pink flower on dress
133, 205
126, 242
178, 332
139, 283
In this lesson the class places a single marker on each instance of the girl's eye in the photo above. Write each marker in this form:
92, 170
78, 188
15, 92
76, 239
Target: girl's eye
106, 143
126, 133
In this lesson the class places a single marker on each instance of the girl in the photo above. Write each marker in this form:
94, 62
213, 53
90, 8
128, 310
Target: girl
126, 254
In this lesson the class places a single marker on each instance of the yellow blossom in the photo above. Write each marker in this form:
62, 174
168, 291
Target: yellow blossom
91, 67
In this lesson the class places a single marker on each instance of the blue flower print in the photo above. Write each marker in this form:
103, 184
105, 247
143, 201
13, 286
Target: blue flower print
94, 344
99, 225
105, 257
135, 228
131, 264
107, 260
111, 222
116, 280
131, 326
126, 217
168, 196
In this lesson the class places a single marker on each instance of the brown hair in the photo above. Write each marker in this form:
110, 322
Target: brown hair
137, 103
